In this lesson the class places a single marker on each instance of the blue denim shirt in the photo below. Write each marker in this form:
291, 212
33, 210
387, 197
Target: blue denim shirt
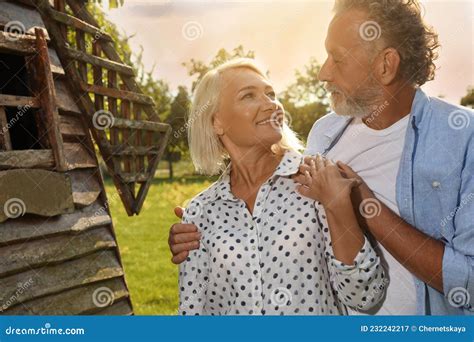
435, 192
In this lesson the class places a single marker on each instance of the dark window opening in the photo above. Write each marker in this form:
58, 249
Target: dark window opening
22, 120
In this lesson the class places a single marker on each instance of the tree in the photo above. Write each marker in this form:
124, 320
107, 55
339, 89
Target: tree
178, 144
200, 68
305, 100
468, 100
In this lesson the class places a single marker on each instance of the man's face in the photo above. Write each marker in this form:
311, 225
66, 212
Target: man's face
348, 69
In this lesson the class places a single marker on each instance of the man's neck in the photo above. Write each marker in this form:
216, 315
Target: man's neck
396, 106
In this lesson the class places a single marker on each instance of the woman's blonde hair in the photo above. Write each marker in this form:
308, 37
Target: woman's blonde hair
207, 152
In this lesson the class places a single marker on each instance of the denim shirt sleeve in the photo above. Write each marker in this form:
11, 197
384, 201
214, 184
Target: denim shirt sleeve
458, 260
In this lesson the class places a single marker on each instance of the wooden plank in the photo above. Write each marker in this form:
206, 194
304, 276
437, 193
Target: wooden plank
78, 156
27, 159
33, 227
81, 45
5, 141
140, 159
144, 125
56, 66
135, 177
118, 94
52, 279
127, 161
64, 97
22, 46
120, 150
85, 186
47, 96
100, 62
15, 101
70, 125
69, 20
79, 301
33, 254
37, 192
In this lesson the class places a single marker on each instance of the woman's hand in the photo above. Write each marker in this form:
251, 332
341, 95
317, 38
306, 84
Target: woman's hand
322, 181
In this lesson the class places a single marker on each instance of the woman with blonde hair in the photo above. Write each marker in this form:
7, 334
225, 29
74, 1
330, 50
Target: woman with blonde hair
266, 248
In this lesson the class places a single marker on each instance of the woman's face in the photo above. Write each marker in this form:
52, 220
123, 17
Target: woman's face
249, 114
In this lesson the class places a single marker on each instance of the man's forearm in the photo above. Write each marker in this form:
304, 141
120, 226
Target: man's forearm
419, 253
346, 234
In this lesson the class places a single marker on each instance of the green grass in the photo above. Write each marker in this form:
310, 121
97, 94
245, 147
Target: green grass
143, 241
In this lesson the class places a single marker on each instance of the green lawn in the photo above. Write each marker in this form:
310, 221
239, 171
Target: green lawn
151, 277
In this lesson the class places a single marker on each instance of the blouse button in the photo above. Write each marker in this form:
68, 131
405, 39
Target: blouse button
254, 248
435, 184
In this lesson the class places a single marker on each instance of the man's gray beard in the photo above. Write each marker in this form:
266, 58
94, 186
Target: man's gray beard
363, 105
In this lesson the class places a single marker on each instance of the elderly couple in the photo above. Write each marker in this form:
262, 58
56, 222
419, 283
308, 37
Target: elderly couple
358, 226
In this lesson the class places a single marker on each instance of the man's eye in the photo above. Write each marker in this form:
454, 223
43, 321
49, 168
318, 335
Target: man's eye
271, 94
247, 96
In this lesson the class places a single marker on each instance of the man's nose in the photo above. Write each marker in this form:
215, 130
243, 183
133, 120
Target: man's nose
325, 73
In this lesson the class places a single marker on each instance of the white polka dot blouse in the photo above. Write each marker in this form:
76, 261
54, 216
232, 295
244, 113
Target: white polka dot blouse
278, 261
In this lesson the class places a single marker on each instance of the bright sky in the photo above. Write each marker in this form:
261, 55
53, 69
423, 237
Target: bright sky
283, 34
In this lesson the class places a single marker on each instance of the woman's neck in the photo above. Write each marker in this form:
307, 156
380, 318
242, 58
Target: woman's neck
253, 166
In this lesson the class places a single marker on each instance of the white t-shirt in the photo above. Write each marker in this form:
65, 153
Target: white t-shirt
375, 156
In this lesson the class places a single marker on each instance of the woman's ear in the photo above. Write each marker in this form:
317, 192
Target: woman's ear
217, 124
389, 64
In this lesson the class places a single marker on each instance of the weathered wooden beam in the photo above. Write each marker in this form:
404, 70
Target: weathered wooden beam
144, 125
47, 96
100, 62
79, 24
36, 253
5, 141
135, 177
77, 301
116, 93
78, 157
22, 101
27, 159
57, 278
34, 227
22, 46
120, 150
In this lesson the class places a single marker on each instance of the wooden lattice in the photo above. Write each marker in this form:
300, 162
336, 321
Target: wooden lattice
123, 120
